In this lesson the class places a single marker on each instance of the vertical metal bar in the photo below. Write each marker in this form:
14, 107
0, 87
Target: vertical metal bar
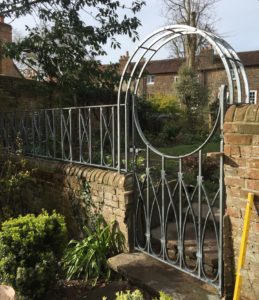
39, 133
54, 133
148, 208
133, 132
62, 133
163, 238
199, 250
113, 138
221, 186
101, 135
33, 135
118, 134
180, 241
126, 133
70, 135
46, 132
89, 135
80, 135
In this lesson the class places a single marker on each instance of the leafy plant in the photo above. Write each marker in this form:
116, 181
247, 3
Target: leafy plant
13, 176
193, 95
137, 295
87, 259
68, 38
30, 249
166, 104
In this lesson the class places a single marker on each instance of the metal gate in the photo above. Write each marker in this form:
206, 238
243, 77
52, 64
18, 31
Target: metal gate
178, 220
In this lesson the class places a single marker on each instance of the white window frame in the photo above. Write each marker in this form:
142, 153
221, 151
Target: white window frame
176, 77
254, 92
150, 79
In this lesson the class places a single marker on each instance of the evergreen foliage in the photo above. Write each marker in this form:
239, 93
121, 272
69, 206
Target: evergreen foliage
30, 249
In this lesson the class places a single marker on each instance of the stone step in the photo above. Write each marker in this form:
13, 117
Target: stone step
210, 250
204, 212
153, 275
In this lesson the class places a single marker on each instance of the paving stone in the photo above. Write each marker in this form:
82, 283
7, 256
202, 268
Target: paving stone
151, 274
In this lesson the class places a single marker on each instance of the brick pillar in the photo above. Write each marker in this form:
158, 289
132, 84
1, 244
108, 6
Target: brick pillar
241, 134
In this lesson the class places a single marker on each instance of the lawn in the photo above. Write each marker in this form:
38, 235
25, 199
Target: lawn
184, 149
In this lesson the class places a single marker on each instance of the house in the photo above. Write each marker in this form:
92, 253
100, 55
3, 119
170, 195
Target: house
7, 66
161, 75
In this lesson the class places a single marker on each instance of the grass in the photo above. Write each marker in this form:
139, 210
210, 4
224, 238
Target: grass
184, 149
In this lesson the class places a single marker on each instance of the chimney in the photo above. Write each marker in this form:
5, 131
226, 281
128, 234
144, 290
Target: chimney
122, 61
206, 57
7, 66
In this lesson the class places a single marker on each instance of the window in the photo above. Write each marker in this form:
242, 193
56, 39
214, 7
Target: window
150, 79
253, 97
176, 78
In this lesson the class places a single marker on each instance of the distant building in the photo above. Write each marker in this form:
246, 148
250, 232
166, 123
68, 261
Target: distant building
161, 75
7, 66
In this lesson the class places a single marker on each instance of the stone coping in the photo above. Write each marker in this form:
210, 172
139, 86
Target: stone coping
90, 173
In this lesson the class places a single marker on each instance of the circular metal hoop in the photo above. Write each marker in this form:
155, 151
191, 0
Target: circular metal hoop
143, 54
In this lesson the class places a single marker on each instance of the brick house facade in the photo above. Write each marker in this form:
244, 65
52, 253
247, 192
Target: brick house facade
163, 74
7, 66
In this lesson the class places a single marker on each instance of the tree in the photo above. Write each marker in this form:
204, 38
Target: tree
63, 47
193, 95
196, 13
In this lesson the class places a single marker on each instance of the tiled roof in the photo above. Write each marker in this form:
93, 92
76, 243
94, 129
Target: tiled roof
164, 66
248, 58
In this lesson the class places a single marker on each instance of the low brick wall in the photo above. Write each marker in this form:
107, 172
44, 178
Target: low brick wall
60, 186
241, 135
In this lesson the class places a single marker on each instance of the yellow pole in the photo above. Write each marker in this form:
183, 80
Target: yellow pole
242, 252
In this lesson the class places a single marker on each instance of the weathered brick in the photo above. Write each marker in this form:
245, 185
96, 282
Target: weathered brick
238, 139
230, 128
253, 174
240, 113
252, 184
230, 113
253, 163
234, 181
247, 128
255, 151
233, 212
251, 113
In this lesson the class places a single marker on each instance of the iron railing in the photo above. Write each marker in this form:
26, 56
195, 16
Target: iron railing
86, 135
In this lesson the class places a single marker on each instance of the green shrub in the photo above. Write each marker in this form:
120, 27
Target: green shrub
30, 249
87, 259
137, 295
14, 174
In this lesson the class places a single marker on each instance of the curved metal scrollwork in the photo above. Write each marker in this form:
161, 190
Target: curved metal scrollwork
175, 222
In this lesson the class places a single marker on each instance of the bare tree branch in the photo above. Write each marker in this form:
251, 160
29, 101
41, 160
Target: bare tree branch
196, 13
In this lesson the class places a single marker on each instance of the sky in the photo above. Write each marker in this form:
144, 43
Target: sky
238, 24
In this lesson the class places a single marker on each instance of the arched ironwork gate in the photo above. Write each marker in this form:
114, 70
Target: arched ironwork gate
177, 220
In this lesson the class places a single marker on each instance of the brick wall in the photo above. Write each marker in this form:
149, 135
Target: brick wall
241, 132
59, 186
7, 66
22, 94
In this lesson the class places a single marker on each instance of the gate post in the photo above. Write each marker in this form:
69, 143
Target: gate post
241, 165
